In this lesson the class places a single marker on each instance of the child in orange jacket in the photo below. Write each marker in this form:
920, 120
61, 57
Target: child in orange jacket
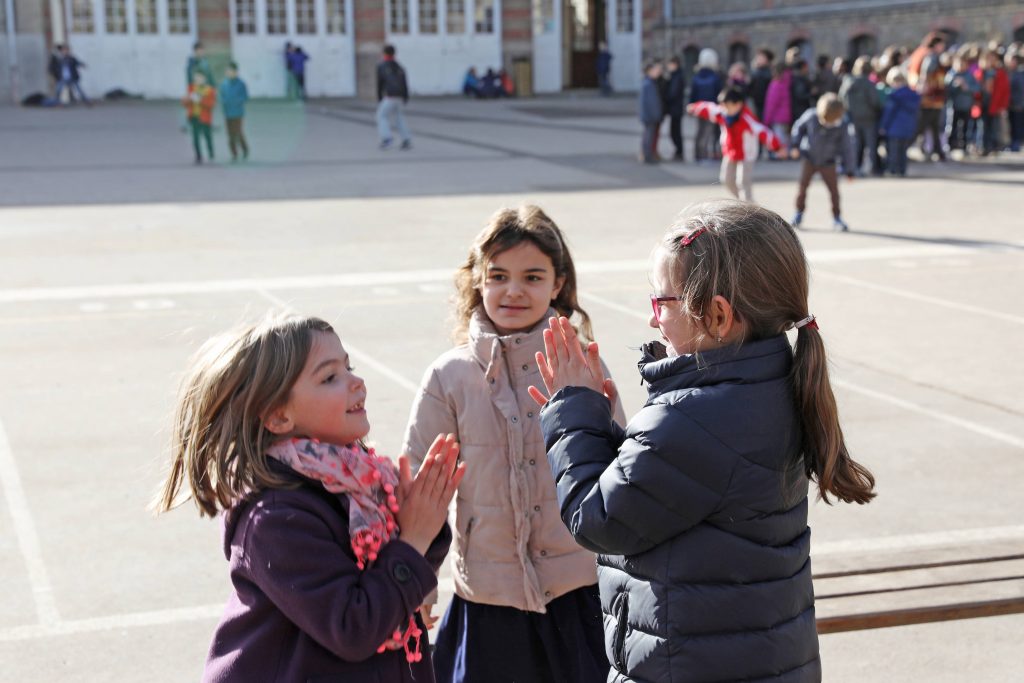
198, 105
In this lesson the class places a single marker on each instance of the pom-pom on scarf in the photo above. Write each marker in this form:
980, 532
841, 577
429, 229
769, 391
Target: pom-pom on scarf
370, 482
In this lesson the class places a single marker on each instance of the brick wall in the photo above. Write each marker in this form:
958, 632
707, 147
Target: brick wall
831, 33
369, 36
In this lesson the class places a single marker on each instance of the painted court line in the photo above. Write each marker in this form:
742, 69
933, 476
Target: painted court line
25, 532
906, 294
385, 278
910, 406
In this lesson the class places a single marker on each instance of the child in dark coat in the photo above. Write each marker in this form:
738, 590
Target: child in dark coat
651, 113
332, 549
899, 121
698, 508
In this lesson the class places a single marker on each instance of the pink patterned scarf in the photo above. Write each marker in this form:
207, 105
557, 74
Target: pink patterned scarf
370, 482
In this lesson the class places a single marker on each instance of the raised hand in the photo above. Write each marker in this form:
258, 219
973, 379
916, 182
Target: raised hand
563, 363
423, 501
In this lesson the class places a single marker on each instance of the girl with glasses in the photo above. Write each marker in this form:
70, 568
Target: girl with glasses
526, 601
698, 508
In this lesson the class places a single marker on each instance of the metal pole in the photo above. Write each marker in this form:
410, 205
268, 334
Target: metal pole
12, 50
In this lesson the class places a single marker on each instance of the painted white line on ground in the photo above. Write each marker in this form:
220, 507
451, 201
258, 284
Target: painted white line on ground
907, 294
385, 278
112, 622
358, 355
902, 403
910, 406
25, 532
922, 540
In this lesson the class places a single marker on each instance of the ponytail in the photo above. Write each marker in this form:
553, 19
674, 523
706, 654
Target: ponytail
826, 458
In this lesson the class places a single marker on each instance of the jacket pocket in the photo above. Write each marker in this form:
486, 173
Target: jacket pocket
464, 550
620, 611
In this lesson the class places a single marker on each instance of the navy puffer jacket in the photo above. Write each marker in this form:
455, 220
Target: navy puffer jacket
699, 512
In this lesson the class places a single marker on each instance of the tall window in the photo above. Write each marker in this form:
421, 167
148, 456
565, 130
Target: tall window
399, 16
305, 16
277, 16
484, 19
335, 16
456, 16
177, 17
145, 16
117, 16
428, 16
863, 44
624, 16
543, 17
245, 17
81, 16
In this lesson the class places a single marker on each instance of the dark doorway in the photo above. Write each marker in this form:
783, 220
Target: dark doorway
1018, 34
690, 55
864, 44
584, 29
739, 53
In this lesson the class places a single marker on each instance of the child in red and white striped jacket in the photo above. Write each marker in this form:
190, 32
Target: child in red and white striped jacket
742, 134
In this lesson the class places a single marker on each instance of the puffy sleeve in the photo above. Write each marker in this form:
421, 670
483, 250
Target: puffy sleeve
431, 415
625, 492
299, 564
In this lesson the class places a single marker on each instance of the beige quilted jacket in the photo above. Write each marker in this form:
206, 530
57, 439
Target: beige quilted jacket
511, 548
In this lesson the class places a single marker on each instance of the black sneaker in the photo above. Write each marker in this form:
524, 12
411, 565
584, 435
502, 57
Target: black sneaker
406, 144
385, 144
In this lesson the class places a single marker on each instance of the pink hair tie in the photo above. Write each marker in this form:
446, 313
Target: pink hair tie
686, 241
809, 321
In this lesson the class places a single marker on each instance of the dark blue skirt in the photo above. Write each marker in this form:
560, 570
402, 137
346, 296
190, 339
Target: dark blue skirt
490, 644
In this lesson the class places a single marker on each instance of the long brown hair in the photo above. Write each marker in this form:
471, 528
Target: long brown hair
508, 228
753, 258
218, 443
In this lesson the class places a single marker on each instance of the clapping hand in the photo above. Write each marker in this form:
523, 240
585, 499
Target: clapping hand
563, 363
423, 501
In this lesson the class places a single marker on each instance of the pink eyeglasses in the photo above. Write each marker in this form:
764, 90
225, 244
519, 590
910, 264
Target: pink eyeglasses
657, 301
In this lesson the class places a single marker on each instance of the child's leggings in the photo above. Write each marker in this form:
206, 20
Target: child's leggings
200, 128
831, 178
236, 138
727, 176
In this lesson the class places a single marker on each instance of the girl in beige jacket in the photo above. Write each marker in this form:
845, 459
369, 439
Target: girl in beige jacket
526, 604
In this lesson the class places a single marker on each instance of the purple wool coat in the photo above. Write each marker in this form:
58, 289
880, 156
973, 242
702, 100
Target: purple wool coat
301, 609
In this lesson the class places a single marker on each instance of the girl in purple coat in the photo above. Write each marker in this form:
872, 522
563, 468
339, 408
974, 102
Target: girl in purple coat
777, 109
332, 549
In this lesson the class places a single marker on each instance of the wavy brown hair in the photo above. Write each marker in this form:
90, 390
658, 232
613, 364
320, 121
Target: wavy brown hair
753, 258
219, 443
508, 228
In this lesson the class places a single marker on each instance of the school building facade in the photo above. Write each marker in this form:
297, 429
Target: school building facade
141, 46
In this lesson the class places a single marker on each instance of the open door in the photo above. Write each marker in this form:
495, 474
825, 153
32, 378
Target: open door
583, 29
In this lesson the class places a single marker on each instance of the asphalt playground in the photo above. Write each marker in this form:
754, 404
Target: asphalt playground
118, 257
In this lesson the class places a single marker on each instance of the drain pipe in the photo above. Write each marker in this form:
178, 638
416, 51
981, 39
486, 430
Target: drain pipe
12, 50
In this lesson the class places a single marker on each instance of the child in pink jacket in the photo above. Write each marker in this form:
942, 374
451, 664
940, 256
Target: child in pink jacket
777, 107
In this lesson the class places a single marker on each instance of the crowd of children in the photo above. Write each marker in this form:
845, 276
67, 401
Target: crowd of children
492, 85
853, 116
674, 546
970, 100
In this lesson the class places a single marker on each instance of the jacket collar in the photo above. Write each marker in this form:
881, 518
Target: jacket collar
486, 344
751, 362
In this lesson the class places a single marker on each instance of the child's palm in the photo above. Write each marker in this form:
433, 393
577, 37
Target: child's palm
423, 506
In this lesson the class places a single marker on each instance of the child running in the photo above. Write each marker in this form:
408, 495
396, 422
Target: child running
331, 549
742, 135
526, 606
699, 507
823, 136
